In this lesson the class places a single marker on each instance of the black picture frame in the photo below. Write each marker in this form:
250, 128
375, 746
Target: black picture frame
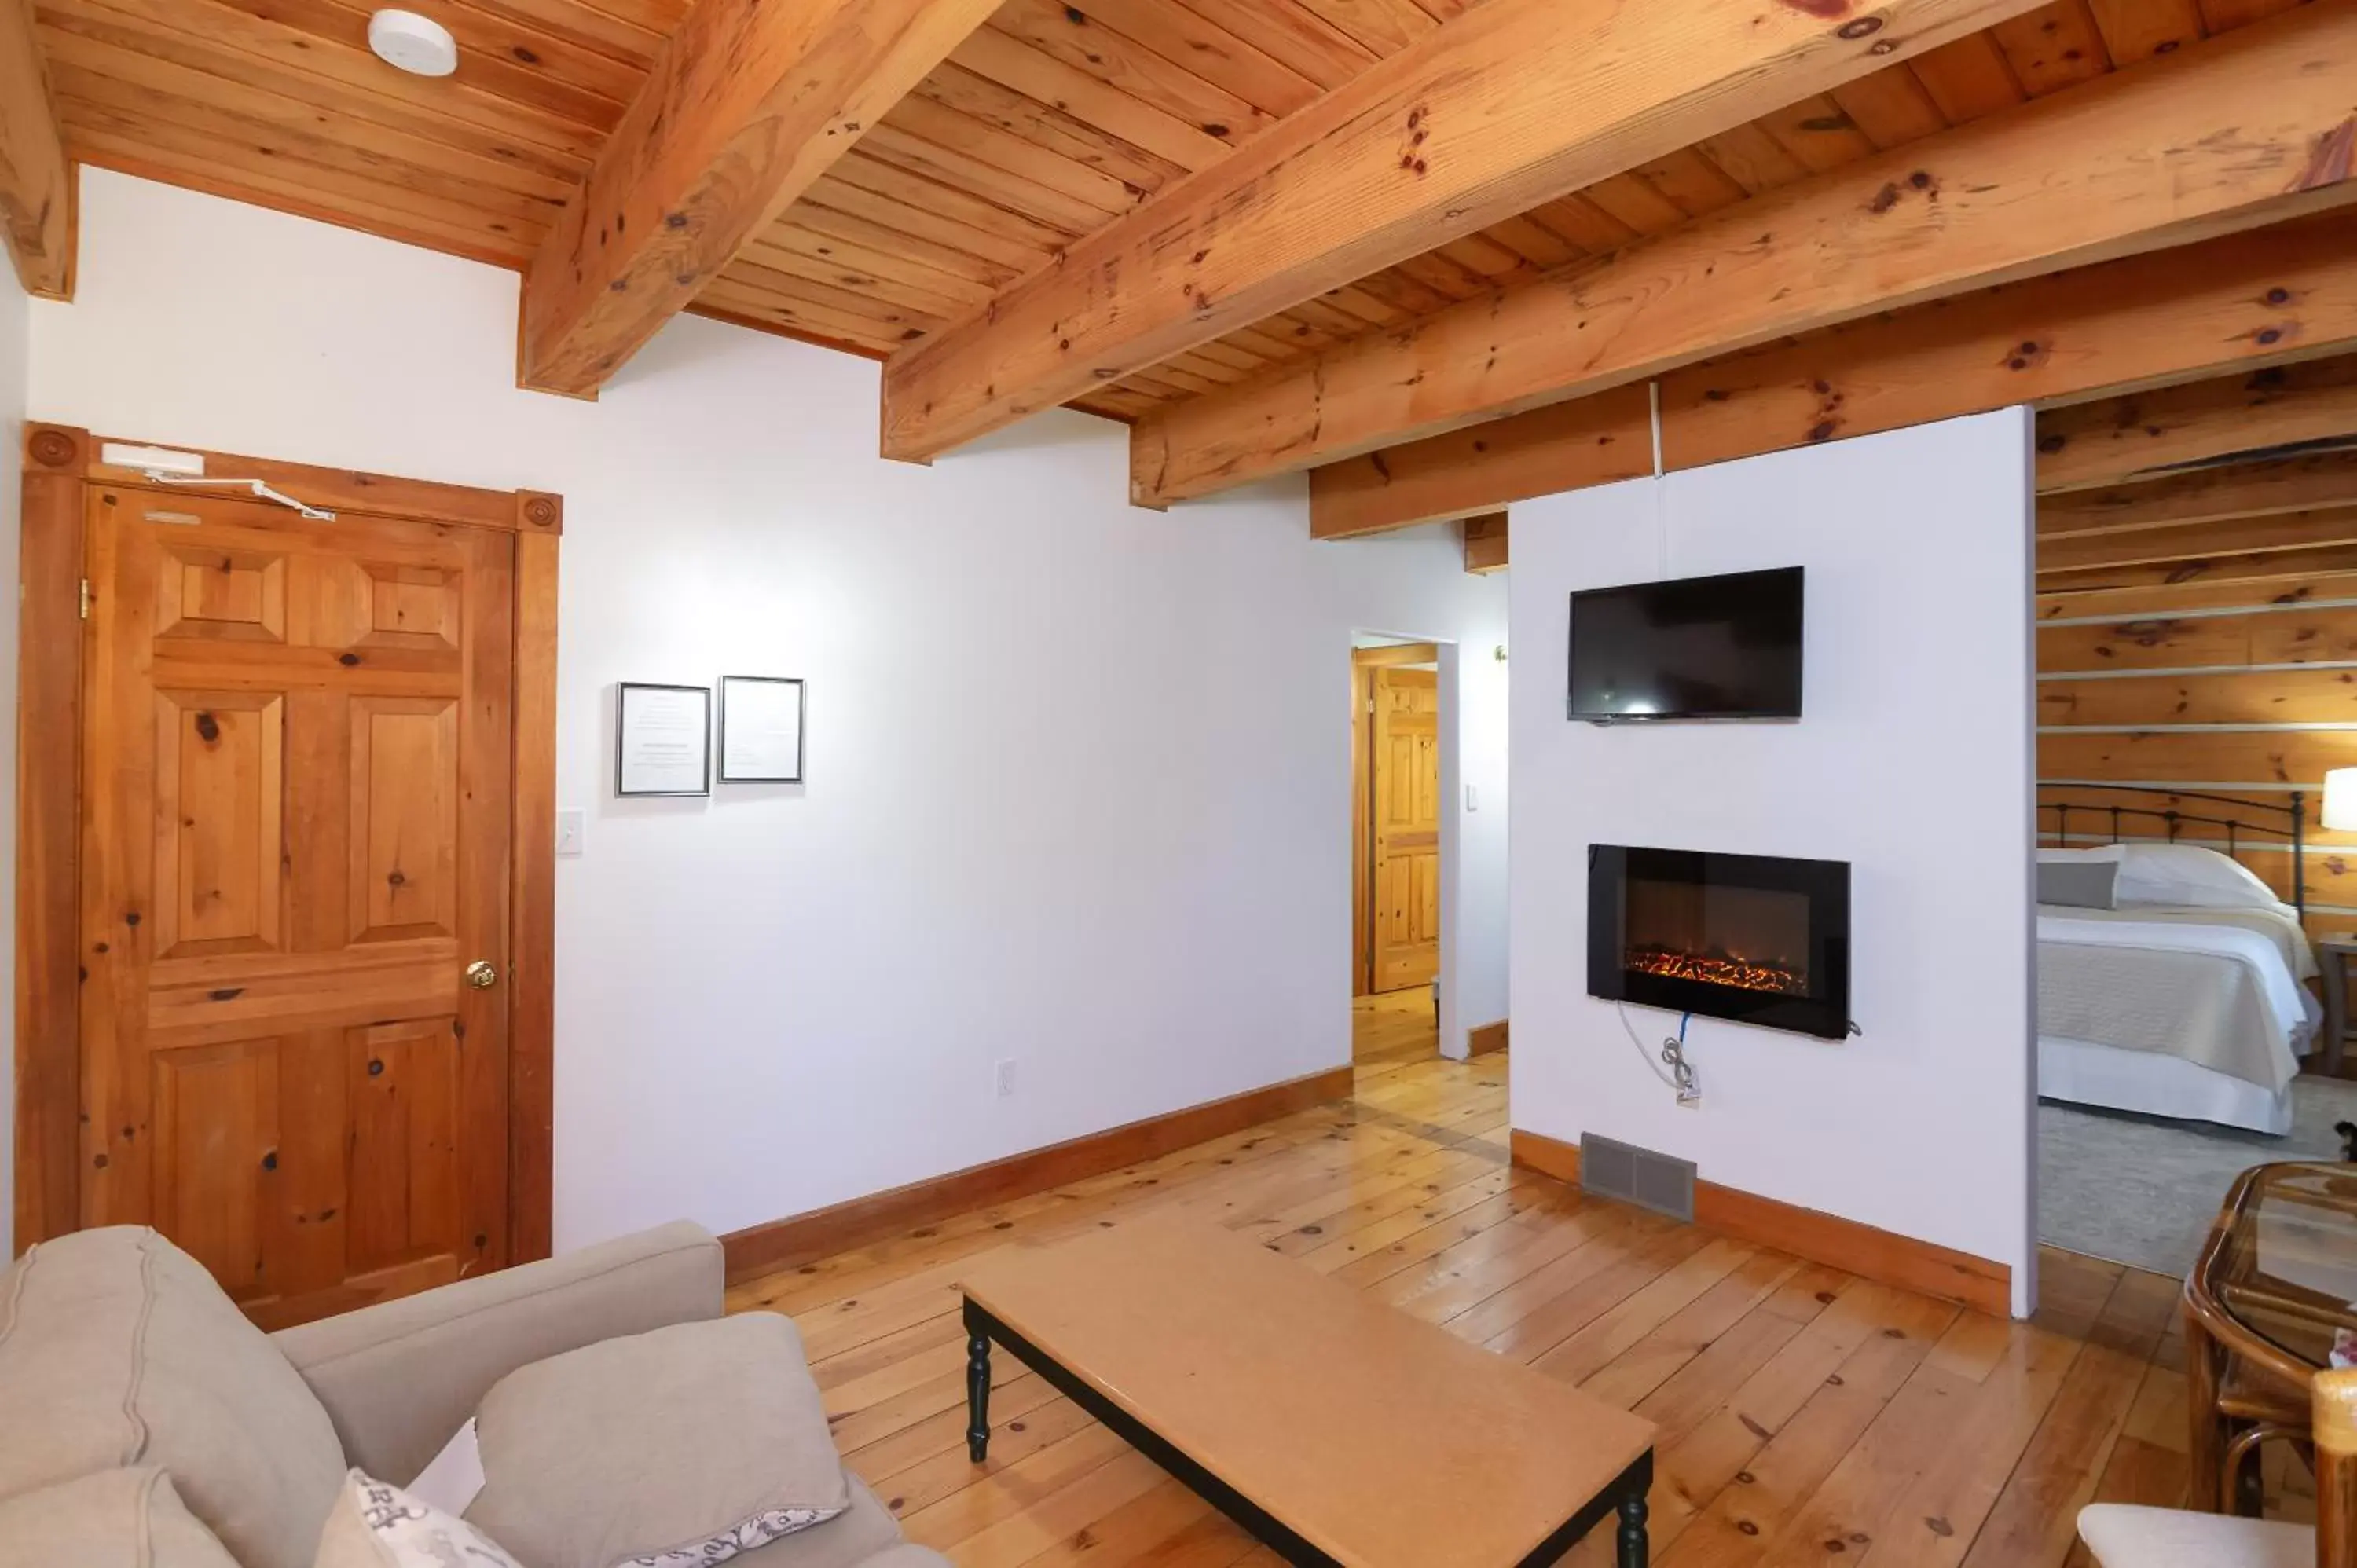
801, 728
622, 691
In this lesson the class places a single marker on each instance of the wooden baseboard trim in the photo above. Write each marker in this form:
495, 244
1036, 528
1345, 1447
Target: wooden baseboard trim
1487, 1037
1886, 1257
803, 1238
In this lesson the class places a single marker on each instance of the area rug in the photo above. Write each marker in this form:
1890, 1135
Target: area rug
2143, 1189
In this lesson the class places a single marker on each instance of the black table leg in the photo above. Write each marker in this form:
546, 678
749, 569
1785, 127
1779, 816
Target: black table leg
977, 1397
1634, 1551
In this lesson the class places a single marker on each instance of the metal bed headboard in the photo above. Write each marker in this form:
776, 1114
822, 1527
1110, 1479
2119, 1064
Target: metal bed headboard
2286, 821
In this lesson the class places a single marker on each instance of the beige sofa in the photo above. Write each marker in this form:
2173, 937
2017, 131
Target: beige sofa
119, 1352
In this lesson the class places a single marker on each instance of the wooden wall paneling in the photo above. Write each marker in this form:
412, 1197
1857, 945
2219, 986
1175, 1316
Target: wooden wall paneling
2229, 758
2246, 578
2334, 582
2150, 165
2301, 635
2240, 303
2331, 528
2143, 435
2228, 696
37, 183
1319, 200
532, 916
2203, 496
2096, 803
48, 1133
745, 109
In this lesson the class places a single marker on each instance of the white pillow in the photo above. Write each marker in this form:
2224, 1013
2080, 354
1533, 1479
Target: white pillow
2184, 874
2067, 856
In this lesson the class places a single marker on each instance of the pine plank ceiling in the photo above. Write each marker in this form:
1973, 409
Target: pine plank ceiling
1046, 123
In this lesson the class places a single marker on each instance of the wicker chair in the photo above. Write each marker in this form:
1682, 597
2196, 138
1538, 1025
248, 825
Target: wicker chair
2120, 1536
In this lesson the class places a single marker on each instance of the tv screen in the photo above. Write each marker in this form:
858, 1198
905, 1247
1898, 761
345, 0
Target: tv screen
1700, 648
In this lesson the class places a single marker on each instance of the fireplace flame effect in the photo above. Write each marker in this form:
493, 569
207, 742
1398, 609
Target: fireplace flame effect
1719, 969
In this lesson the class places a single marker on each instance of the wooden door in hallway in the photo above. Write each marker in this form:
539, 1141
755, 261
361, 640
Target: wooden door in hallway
1404, 880
297, 749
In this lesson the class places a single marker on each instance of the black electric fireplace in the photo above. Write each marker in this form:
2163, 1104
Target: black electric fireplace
1753, 938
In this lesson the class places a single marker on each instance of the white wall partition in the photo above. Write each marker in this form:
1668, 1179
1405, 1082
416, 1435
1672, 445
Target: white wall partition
1078, 774
1912, 763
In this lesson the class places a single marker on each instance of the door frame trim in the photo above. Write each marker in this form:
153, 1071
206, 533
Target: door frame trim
52, 643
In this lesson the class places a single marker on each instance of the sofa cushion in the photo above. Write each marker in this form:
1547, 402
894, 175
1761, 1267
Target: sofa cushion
112, 1519
706, 1438
856, 1538
377, 1525
117, 1349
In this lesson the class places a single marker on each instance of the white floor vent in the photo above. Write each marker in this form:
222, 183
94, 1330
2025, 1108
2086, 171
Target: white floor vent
1612, 1169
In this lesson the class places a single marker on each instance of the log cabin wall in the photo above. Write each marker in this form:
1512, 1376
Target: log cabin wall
2220, 656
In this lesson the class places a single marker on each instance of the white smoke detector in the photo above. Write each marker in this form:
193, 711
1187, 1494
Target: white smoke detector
418, 45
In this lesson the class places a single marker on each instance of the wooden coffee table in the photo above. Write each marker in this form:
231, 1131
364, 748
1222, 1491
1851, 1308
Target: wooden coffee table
1332, 1427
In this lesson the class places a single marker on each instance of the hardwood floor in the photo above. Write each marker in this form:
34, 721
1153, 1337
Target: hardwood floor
1804, 1411
1394, 1028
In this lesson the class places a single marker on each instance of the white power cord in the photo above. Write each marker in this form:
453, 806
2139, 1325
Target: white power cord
1680, 1079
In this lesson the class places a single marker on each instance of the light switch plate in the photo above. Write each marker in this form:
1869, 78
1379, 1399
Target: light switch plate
572, 828
1473, 799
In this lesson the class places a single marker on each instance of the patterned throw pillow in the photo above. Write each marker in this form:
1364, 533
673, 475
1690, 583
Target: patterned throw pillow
376, 1525
743, 1536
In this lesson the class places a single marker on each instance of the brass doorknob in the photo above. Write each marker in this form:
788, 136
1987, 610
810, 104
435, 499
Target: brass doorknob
481, 975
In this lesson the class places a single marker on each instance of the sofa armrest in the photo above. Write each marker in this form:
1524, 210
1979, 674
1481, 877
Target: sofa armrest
401, 1376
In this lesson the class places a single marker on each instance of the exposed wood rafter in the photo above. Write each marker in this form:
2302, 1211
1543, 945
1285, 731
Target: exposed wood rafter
1508, 106
1485, 542
747, 104
37, 183
2233, 305
2247, 129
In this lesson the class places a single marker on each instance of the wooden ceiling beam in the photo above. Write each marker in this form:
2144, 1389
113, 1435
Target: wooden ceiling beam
2240, 303
747, 104
2247, 129
2147, 434
1497, 112
37, 183
2203, 496
1485, 542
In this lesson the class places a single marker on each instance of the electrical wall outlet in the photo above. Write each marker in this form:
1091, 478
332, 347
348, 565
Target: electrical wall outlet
1004, 1075
572, 829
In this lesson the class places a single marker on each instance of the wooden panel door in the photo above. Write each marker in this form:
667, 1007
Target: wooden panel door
294, 842
1406, 828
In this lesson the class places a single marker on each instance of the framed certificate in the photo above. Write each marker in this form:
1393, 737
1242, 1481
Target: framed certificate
760, 730
663, 741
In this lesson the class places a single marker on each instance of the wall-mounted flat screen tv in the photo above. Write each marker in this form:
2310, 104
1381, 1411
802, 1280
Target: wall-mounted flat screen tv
1698, 648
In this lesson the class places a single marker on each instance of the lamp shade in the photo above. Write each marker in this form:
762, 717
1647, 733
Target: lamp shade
2340, 799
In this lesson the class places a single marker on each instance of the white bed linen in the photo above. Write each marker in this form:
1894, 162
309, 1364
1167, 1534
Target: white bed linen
2285, 1004
2085, 1073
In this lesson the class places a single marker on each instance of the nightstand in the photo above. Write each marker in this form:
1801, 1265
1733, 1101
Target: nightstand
2333, 954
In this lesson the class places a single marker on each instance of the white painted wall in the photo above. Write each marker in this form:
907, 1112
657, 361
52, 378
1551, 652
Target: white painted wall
1912, 762
1078, 774
14, 351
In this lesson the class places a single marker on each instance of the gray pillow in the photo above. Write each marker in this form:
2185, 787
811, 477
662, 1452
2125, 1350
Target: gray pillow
675, 1449
2078, 884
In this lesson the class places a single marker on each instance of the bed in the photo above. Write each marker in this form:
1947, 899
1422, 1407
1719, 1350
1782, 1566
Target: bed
2171, 980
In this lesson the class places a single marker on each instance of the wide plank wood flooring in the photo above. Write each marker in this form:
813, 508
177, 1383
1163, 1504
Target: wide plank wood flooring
1806, 1415
1393, 1027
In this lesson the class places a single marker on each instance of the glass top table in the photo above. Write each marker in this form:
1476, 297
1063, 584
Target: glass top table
2282, 1259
